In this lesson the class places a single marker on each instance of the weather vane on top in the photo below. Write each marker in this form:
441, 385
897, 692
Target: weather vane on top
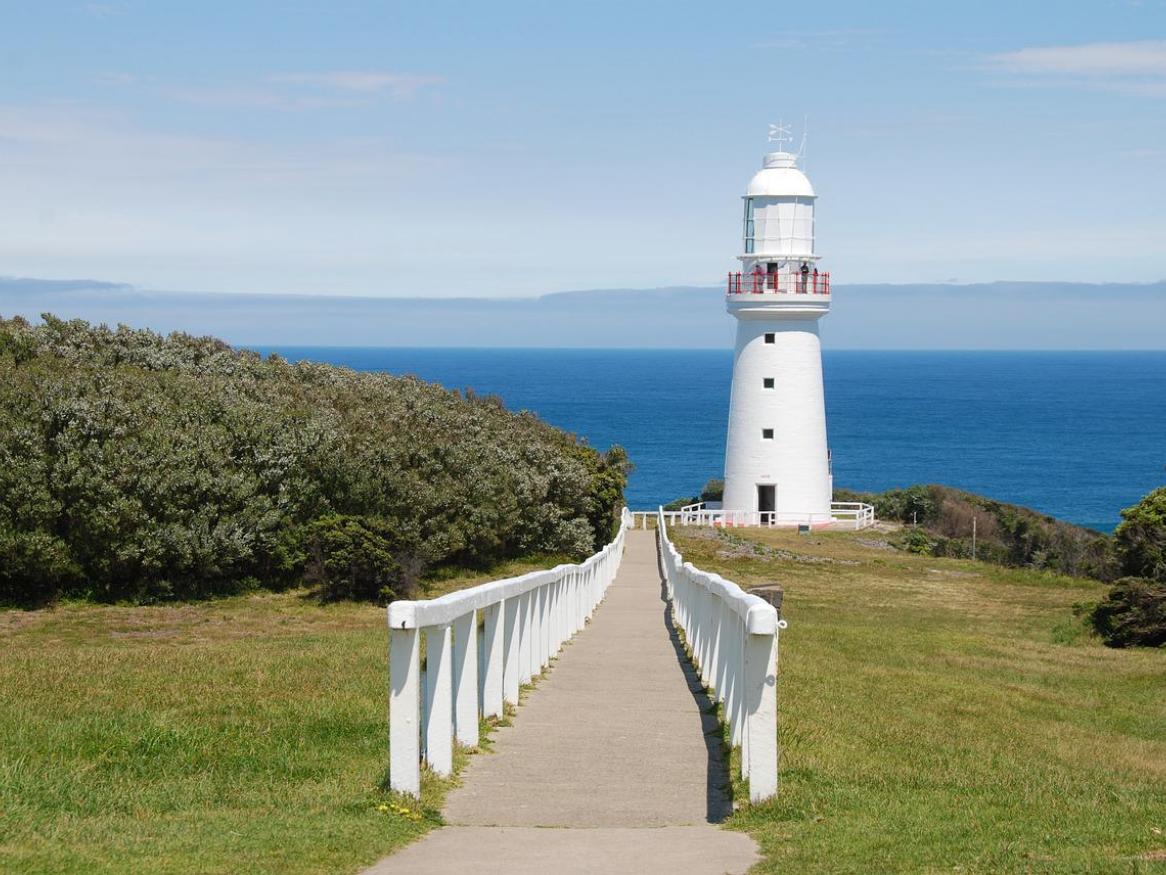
780, 133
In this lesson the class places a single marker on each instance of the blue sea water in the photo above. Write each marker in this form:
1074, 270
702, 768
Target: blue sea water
1078, 435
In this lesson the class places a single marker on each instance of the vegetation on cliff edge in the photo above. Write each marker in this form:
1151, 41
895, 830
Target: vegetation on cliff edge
140, 467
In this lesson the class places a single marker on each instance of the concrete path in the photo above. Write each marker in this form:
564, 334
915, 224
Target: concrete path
612, 764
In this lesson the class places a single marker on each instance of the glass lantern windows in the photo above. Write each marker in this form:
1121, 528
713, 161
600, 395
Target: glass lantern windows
748, 221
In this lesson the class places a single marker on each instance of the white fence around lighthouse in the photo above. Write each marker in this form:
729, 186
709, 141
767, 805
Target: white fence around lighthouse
525, 620
844, 515
732, 637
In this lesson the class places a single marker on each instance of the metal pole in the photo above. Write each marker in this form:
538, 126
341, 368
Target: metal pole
973, 537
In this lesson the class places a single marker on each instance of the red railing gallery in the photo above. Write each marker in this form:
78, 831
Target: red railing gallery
758, 283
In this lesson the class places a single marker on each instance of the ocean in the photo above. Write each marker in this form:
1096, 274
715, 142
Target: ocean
1078, 435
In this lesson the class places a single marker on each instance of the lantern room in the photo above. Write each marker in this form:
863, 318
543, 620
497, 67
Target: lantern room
778, 222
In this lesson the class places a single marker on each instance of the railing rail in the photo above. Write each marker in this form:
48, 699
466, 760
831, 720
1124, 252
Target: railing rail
760, 283
853, 514
847, 515
732, 637
525, 621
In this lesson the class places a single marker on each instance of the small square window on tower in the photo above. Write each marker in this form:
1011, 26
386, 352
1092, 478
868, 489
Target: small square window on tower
767, 434
770, 337
767, 383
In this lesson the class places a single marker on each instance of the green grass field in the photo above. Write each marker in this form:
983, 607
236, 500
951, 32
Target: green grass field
948, 716
936, 716
247, 734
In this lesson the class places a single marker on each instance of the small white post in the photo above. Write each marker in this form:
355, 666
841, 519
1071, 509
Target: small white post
544, 627
493, 663
556, 616
511, 632
761, 723
405, 711
706, 617
438, 700
536, 631
737, 709
723, 650
465, 678
577, 590
526, 637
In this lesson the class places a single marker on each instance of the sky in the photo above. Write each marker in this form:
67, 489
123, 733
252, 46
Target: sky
513, 149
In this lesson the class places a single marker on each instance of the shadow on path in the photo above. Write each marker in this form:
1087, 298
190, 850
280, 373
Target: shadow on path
718, 796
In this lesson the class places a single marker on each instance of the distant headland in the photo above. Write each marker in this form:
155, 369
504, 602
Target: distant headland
917, 316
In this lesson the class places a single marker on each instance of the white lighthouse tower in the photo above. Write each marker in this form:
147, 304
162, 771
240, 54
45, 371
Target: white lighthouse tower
776, 461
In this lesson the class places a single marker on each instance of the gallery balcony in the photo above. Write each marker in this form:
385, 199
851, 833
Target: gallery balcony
758, 283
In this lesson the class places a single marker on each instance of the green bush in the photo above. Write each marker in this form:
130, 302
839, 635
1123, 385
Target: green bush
1132, 614
350, 557
1140, 538
33, 567
138, 467
714, 490
916, 504
917, 541
1006, 534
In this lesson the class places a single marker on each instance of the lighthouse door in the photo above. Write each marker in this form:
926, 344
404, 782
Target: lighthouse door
766, 503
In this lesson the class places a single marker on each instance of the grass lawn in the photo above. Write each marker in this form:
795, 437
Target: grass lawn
247, 734
936, 715
948, 716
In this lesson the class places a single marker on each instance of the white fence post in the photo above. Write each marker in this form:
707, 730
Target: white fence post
761, 690
733, 642
465, 678
405, 711
511, 671
438, 700
494, 659
526, 638
526, 620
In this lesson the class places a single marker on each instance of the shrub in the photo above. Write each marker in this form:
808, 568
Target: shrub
1132, 614
350, 557
34, 568
917, 541
1005, 534
1140, 538
138, 467
714, 490
916, 504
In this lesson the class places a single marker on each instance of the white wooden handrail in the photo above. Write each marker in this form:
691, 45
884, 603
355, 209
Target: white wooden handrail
843, 515
732, 638
525, 621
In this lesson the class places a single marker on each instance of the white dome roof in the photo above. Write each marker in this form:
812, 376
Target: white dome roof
779, 177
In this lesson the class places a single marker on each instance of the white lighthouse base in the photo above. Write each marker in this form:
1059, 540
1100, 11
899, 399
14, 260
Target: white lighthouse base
776, 460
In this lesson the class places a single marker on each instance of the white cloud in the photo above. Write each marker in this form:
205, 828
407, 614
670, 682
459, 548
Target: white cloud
235, 96
834, 38
1143, 154
338, 88
1137, 67
89, 192
103, 10
400, 86
1146, 57
116, 78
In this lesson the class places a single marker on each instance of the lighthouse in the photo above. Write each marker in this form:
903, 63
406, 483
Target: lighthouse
777, 465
